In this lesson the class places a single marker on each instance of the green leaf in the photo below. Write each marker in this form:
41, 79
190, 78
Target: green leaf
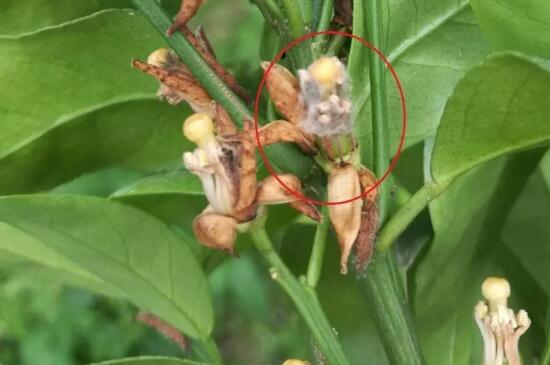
527, 230
61, 73
175, 182
519, 25
139, 135
149, 360
493, 112
466, 249
66, 273
135, 253
431, 45
499, 107
18, 17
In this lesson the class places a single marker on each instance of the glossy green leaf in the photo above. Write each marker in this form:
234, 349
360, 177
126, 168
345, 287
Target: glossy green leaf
149, 360
18, 17
135, 253
55, 269
139, 135
431, 45
25, 255
527, 230
466, 249
499, 107
51, 84
175, 182
519, 25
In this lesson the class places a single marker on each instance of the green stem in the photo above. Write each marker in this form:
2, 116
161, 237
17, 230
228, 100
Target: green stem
383, 286
304, 298
316, 259
269, 16
326, 15
298, 28
212, 352
274, 9
386, 296
217, 89
380, 132
408, 212
307, 13
336, 44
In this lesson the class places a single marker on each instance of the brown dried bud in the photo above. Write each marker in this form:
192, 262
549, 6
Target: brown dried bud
270, 191
210, 58
364, 244
224, 123
177, 84
284, 90
216, 231
245, 208
283, 131
188, 9
343, 184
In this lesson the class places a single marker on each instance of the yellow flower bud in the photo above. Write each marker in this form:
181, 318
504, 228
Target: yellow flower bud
496, 291
326, 71
162, 57
295, 362
198, 128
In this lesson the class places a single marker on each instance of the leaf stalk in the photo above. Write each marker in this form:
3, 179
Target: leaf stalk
304, 298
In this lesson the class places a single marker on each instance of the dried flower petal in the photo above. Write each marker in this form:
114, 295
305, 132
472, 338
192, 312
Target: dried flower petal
177, 86
216, 231
204, 41
343, 184
245, 209
369, 221
224, 123
164, 328
343, 12
364, 244
214, 64
283, 131
284, 90
188, 9
271, 191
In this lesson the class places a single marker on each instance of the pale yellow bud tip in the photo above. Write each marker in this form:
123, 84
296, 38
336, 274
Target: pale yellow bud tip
326, 71
295, 362
495, 290
198, 128
160, 58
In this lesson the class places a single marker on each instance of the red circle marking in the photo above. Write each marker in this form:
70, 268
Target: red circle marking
403, 108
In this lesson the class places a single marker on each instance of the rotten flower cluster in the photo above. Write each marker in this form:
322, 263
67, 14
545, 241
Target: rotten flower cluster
317, 117
500, 327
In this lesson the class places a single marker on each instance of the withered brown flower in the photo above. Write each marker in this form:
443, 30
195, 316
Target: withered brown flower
225, 162
318, 104
200, 42
177, 84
